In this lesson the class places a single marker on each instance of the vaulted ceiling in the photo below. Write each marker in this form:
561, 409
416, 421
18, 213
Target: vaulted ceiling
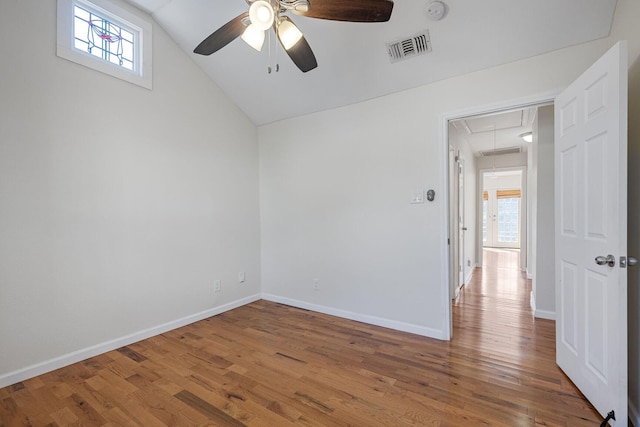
353, 61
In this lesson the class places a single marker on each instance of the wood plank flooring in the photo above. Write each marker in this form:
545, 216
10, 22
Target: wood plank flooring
267, 364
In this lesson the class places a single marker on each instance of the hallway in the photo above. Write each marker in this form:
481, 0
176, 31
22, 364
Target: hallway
494, 326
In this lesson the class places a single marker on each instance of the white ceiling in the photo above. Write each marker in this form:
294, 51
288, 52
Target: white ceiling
353, 64
496, 131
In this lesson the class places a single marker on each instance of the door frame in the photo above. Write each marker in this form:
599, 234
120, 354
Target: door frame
456, 249
461, 221
523, 224
446, 248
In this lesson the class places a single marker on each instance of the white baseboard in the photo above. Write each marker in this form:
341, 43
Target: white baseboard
634, 415
532, 302
83, 354
529, 275
365, 318
540, 314
468, 278
544, 314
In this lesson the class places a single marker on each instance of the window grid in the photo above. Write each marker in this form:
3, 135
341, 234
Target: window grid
508, 220
484, 220
103, 39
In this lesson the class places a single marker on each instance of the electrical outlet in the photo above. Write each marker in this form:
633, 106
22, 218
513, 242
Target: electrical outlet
241, 277
217, 285
316, 284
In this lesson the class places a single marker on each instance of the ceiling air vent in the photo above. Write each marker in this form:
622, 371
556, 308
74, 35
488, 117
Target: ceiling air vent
408, 48
501, 151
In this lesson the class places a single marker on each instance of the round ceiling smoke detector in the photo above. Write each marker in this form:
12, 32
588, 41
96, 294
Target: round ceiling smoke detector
436, 10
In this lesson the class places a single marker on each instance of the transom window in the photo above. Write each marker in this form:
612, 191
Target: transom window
108, 38
104, 39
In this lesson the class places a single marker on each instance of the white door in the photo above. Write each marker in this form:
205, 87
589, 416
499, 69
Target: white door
461, 227
591, 221
454, 253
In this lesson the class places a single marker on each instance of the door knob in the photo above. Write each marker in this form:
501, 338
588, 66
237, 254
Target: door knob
630, 261
609, 260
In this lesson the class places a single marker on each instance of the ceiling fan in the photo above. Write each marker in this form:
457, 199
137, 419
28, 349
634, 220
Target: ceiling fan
264, 14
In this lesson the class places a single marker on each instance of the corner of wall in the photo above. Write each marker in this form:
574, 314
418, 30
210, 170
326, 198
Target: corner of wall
86, 353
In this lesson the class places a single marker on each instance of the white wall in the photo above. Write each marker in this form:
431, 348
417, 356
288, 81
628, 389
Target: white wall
335, 189
116, 226
544, 274
514, 160
504, 182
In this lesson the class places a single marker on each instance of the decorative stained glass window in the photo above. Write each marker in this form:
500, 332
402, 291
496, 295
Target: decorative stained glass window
101, 38
113, 39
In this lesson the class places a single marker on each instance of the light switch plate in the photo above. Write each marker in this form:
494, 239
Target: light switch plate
417, 197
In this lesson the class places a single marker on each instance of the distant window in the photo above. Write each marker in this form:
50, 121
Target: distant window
102, 36
484, 219
508, 220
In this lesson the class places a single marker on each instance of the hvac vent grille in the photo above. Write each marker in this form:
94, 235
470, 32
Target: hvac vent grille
419, 44
501, 151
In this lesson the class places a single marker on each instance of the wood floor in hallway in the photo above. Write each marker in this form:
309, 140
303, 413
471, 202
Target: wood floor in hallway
267, 364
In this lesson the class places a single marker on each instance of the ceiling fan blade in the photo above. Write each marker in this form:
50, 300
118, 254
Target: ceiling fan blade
222, 36
300, 53
349, 10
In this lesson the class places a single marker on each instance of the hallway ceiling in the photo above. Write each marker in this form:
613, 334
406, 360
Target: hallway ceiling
496, 131
353, 64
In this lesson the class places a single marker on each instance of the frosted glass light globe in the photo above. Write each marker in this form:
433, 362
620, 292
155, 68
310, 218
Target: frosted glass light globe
253, 37
289, 34
261, 14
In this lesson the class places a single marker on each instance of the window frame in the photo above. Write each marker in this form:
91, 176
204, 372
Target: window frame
141, 75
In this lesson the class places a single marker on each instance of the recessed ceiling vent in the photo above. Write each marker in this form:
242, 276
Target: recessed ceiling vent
417, 45
501, 151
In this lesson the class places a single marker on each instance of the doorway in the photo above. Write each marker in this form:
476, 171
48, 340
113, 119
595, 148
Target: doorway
493, 155
502, 209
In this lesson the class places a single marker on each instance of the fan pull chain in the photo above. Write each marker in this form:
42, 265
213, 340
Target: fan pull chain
269, 43
277, 65
275, 47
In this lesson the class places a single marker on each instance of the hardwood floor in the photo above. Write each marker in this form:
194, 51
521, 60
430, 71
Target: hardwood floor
267, 364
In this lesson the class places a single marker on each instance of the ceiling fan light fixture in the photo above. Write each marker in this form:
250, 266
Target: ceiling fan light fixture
301, 5
288, 33
253, 37
527, 136
261, 14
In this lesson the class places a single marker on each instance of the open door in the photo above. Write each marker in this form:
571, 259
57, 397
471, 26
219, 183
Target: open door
591, 233
461, 227
454, 252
